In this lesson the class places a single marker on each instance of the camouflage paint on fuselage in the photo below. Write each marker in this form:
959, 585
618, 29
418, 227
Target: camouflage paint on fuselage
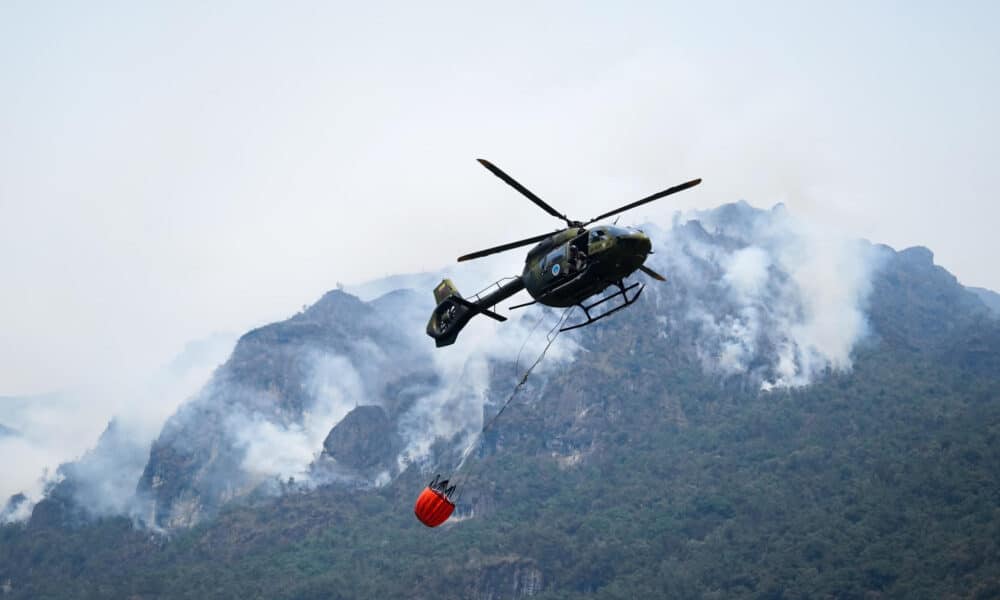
607, 254
562, 270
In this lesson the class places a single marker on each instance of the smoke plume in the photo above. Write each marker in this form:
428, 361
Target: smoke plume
760, 295
771, 296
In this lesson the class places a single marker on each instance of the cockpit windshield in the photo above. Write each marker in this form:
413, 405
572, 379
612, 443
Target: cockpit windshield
607, 231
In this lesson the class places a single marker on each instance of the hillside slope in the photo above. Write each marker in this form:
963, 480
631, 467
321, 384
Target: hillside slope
708, 442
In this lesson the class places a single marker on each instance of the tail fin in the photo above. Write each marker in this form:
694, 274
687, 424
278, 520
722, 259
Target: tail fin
444, 289
450, 316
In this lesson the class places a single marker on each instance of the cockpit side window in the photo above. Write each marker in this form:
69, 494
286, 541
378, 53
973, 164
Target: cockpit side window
552, 264
597, 234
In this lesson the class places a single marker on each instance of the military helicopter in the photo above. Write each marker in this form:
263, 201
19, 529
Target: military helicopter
564, 269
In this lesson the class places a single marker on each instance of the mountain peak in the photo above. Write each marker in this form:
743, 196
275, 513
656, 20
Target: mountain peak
918, 255
334, 304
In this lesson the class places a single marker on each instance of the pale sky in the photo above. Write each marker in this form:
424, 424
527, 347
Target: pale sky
172, 169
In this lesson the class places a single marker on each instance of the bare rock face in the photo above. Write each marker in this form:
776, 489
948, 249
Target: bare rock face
365, 438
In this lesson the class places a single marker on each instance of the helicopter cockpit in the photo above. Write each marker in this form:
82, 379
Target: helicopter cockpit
567, 260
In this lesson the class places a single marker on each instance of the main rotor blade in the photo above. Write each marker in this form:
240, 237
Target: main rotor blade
656, 196
527, 193
509, 246
652, 273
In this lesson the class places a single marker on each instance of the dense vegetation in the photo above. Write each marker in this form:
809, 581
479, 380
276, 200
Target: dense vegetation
881, 482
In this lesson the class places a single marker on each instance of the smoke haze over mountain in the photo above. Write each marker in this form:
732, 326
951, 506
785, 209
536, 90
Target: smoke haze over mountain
62, 427
770, 293
758, 295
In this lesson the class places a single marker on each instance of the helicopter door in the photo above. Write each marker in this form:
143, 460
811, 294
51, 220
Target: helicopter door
577, 259
554, 266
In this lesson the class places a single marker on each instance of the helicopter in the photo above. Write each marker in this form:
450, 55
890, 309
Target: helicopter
564, 269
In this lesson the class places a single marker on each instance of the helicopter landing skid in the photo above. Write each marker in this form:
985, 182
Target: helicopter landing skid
622, 291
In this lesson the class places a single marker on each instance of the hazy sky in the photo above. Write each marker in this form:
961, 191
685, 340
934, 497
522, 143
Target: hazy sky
169, 170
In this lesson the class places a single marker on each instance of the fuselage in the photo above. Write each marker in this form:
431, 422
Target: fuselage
564, 269
576, 263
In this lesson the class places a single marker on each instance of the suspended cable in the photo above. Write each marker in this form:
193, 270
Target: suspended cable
550, 337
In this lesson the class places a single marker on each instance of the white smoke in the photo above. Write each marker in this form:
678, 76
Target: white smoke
66, 427
283, 448
271, 449
770, 293
455, 409
17, 510
458, 408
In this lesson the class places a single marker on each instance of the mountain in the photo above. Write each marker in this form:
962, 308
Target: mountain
62, 426
323, 365
988, 297
790, 415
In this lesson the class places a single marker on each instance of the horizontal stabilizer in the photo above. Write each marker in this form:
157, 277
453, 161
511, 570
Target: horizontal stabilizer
479, 309
453, 311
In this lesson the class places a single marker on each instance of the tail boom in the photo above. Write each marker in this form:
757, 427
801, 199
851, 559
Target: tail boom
453, 311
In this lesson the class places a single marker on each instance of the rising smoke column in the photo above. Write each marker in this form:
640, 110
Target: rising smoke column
770, 296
